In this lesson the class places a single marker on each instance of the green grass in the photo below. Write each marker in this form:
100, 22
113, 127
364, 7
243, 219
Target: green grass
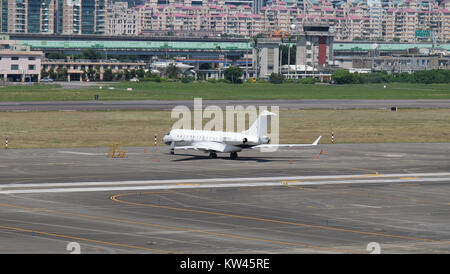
60, 129
217, 91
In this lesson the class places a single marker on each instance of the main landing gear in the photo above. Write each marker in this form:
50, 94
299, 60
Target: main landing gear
213, 155
233, 155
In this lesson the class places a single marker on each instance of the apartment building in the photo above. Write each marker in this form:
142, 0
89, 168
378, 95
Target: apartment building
53, 16
388, 20
27, 16
80, 16
121, 20
209, 19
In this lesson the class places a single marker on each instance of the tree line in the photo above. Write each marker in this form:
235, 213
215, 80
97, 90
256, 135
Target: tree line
342, 76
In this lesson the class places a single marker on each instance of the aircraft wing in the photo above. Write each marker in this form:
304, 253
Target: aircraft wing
205, 146
289, 145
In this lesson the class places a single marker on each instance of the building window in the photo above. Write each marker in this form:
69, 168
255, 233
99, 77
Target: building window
31, 58
14, 58
14, 67
31, 67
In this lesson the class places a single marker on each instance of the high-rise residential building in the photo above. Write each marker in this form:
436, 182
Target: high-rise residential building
27, 16
257, 5
349, 20
81, 16
53, 16
121, 20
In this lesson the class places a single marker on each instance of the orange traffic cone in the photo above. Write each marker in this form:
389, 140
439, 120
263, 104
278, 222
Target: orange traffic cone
290, 162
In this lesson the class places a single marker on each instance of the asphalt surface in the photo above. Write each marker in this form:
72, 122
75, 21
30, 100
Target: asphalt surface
296, 201
169, 105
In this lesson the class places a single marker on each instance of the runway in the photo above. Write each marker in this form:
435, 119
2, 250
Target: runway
169, 105
296, 201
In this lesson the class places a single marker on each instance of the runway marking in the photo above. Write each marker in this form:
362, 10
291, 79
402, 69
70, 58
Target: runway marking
287, 182
184, 229
375, 173
302, 188
371, 195
358, 205
115, 198
209, 183
82, 153
407, 184
84, 239
409, 178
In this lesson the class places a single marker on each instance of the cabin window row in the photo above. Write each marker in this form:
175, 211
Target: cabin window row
208, 138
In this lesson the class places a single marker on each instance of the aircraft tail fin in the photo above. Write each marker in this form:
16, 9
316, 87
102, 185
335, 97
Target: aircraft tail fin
259, 126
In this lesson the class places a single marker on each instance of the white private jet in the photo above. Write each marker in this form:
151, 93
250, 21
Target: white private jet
226, 142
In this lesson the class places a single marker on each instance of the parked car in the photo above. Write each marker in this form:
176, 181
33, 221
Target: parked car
134, 79
47, 79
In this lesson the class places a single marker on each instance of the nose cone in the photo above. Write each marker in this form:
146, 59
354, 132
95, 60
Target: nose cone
167, 139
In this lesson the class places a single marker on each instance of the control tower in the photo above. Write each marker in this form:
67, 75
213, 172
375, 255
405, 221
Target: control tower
314, 45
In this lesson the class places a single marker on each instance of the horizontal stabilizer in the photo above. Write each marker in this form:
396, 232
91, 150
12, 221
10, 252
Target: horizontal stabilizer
289, 145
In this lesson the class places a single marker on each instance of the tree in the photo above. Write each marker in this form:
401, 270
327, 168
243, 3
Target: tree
140, 73
308, 80
44, 73
234, 74
91, 54
343, 76
118, 75
276, 78
51, 73
133, 73
127, 74
90, 74
205, 66
172, 71
56, 55
61, 74
284, 49
108, 75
